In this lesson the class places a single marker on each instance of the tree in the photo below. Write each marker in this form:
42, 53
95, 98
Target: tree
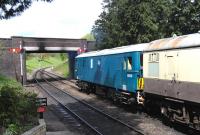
126, 22
11, 8
89, 37
185, 17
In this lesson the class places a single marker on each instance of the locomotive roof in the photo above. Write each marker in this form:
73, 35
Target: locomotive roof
117, 50
185, 41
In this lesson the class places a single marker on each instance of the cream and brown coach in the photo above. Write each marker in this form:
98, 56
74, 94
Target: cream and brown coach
171, 69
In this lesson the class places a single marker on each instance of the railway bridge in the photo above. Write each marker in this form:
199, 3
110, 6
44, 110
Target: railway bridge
14, 64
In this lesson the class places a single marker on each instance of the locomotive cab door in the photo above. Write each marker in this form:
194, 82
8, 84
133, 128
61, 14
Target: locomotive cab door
130, 69
130, 73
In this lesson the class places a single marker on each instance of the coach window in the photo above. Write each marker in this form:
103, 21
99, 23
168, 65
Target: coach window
129, 63
153, 68
154, 57
150, 57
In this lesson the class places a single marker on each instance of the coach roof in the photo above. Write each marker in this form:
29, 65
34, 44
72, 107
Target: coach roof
185, 41
117, 50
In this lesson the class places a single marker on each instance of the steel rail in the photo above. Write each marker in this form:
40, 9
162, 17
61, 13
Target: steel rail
64, 106
94, 108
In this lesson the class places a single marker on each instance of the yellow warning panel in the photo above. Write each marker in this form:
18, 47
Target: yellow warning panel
140, 83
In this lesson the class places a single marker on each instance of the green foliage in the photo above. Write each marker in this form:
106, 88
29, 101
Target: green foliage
11, 8
56, 60
89, 37
45, 60
185, 17
126, 22
63, 56
62, 69
4, 81
12, 130
17, 106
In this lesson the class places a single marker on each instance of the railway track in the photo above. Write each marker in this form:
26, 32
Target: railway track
64, 114
95, 119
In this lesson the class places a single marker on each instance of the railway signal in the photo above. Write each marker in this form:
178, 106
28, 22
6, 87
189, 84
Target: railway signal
82, 50
15, 50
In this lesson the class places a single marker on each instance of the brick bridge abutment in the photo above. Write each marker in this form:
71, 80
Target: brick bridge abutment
14, 64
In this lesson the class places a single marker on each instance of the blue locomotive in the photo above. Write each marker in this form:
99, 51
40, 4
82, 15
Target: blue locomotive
118, 71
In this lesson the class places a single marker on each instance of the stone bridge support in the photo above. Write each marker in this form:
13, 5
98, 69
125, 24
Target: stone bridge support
72, 56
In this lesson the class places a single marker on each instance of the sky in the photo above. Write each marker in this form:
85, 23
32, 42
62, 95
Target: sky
58, 19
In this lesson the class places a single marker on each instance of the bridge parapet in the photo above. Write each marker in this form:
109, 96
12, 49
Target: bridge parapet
32, 44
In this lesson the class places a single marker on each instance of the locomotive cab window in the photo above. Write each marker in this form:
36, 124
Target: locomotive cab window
129, 63
124, 64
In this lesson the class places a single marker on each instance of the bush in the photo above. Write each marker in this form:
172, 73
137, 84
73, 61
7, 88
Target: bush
18, 107
12, 130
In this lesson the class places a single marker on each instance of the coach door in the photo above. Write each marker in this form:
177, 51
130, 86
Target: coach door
171, 72
171, 61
